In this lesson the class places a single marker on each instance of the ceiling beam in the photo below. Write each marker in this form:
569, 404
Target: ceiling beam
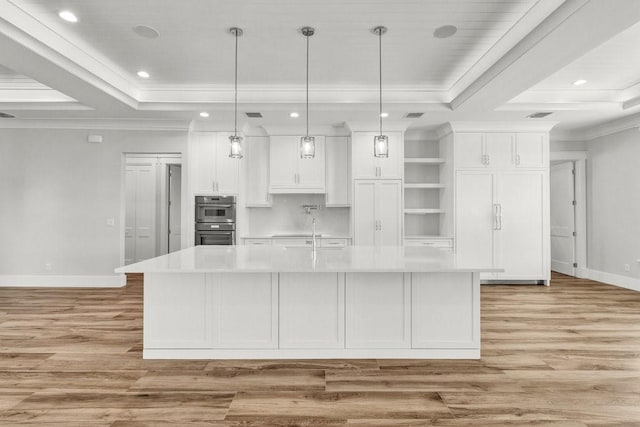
572, 30
30, 48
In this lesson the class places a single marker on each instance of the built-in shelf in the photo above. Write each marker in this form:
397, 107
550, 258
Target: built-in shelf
423, 211
425, 160
423, 185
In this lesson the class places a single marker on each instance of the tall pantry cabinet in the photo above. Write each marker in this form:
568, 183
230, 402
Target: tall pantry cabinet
501, 201
377, 191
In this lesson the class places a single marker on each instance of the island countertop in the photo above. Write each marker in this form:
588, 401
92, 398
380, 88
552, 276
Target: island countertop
259, 259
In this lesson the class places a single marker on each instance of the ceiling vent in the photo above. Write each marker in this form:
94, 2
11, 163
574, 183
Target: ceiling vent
6, 116
413, 115
254, 115
538, 115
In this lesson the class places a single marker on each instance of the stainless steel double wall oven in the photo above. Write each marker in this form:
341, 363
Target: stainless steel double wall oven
215, 220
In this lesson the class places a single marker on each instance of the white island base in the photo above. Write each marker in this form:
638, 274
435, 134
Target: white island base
242, 311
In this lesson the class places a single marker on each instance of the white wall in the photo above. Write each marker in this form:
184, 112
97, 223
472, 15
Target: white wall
56, 193
567, 146
613, 205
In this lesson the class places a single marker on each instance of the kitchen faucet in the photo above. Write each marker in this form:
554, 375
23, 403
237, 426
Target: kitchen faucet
314, 244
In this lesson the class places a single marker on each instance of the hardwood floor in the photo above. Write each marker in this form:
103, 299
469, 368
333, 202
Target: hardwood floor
568, 355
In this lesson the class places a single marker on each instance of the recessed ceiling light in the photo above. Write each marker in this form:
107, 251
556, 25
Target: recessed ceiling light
68, 16
146, 31
384, 115
445, 31
294, 115
579, 82
204, 114
143, 74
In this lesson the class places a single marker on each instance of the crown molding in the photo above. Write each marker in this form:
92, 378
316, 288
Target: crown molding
608, 128
495, 126
298, 130
374, 126
93, 124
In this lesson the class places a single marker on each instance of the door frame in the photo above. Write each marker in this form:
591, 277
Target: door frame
579, 159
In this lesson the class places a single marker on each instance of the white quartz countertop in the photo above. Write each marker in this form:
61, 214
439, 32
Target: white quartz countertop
246, 259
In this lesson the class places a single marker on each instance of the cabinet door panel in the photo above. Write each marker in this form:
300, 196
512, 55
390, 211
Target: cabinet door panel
378, 310
520, 239
468, 150
311, 171
364, 163
177, 310
245, 307
282, 161
202, 152
499, 148
364, 211
311, 310
389, 213
440, 319
531, 150
227, 173
475, 218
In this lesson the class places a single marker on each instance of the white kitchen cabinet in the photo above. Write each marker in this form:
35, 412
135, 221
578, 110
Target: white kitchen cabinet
484, 150
245, 310
443, 243
212, 170
532, 150
312, 310
501, 220
257, 172
366, 166
368, 325
377, 212
337, 175
288, 173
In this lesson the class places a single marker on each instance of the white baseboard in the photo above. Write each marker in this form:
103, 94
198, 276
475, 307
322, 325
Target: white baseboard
110, 281
614, 279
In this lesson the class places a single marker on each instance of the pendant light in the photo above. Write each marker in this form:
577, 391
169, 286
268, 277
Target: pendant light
307, 143
380, 142
235, 140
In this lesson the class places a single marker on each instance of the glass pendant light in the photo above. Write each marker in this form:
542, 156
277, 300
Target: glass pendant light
307, 143
380, 142
235, 140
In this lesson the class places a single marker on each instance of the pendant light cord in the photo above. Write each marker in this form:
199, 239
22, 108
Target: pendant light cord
235, 118
307, 86
380, 68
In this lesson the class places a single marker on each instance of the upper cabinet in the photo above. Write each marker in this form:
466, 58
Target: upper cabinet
500, 150
367, 166
288, 173
213, 171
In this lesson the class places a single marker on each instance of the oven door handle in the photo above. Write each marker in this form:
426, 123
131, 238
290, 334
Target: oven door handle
214, 206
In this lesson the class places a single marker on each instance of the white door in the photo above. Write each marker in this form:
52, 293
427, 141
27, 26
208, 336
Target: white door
363, 161
469, 150
140, 212
475, 218
202, 149
283, 162
175, 195
311, 171
519, 240
364, 211
227, 170
498, 148
389, 213
562, 218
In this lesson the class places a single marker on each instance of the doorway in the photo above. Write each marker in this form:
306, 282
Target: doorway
152, 198
567, 179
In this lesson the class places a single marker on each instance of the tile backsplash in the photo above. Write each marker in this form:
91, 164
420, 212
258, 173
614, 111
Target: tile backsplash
287, 216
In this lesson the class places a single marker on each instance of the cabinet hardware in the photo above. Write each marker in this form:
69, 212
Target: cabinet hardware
495, 216
488, 159
499, 216
517, 159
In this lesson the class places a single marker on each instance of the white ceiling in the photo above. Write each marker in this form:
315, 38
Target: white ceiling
508, 59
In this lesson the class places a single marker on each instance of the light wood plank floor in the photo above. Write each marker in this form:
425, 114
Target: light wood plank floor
565, 355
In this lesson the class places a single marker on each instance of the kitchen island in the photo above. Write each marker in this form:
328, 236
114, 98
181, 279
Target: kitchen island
274, 302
